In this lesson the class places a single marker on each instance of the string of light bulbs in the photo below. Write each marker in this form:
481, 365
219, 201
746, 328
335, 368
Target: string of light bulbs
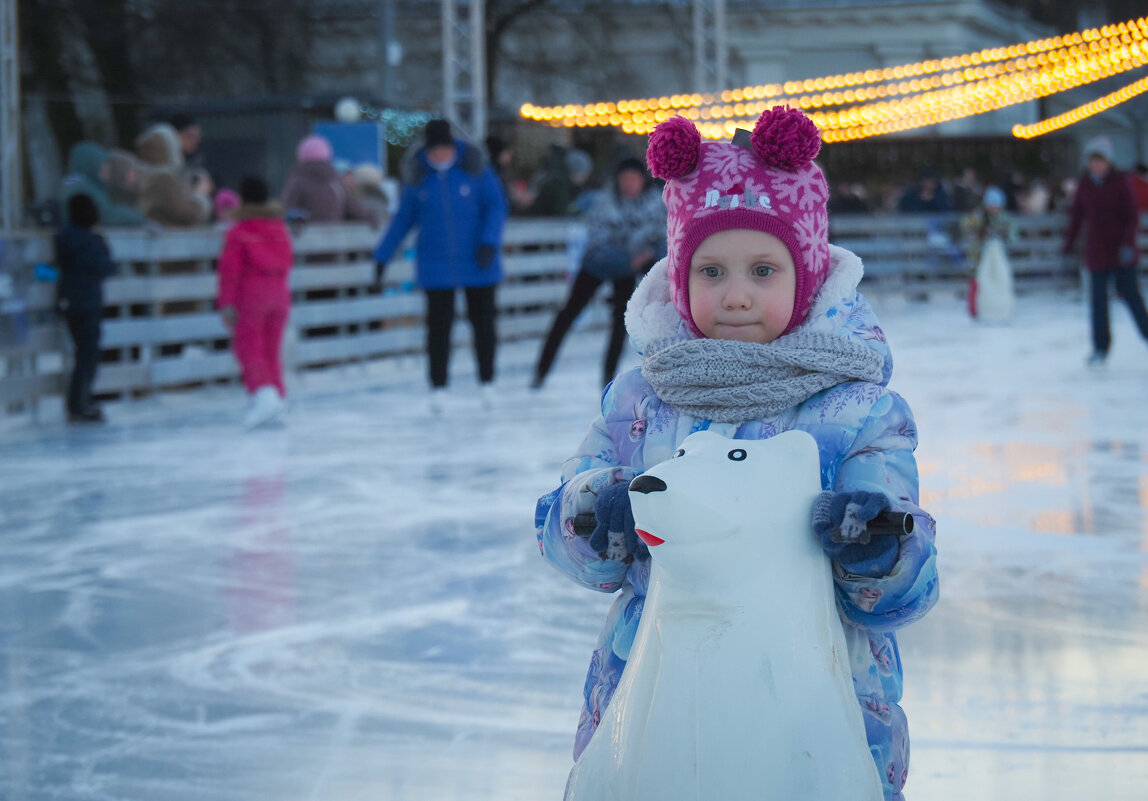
963, 85
1099, 63
1075, 115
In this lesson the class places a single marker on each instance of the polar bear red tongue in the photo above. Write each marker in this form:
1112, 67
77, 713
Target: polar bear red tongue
648, 538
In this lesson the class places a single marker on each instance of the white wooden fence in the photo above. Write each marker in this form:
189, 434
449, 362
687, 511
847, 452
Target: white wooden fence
161, 331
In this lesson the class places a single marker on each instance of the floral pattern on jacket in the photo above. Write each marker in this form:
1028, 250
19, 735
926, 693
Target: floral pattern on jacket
866, 436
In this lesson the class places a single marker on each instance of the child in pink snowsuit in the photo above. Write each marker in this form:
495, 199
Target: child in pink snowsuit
254, 299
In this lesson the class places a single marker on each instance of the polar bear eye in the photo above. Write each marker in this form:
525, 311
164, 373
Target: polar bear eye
679, 452
737, 455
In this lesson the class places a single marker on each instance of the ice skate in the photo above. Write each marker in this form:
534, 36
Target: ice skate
486, 396
266, 407
437, 403
89, 416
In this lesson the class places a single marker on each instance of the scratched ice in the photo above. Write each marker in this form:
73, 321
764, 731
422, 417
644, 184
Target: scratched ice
353, 607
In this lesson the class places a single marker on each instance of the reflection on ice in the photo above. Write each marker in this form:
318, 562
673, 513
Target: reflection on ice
353, 607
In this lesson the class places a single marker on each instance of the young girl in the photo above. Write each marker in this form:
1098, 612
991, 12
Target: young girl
254, 298
752, 326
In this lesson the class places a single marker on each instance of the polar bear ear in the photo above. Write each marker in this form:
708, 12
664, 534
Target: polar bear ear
673, 149
786, 139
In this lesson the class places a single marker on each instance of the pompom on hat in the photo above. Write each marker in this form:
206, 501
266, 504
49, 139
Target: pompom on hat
764, 182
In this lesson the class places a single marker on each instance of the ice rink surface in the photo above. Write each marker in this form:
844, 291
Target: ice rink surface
353, 606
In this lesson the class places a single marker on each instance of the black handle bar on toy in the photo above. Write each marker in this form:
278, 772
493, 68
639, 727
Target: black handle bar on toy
886, 524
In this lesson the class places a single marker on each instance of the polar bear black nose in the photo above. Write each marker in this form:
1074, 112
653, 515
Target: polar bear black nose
647, 484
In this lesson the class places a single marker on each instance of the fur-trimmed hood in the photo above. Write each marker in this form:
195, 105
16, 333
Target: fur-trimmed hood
838, 308
158, 147
255, 211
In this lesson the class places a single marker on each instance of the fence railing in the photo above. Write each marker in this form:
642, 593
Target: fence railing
161, 330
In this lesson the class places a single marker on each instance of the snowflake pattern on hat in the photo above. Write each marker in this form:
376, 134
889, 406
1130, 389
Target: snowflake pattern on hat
771, 186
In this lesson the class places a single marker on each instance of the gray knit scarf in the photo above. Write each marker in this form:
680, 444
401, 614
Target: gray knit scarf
733, 382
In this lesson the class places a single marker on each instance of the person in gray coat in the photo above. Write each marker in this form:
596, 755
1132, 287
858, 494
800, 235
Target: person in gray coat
626, 235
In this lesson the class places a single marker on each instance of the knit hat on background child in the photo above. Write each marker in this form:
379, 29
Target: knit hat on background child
225, 200
313, 148
994, 196
765, 181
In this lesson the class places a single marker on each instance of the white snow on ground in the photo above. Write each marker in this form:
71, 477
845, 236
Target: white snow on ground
353, 606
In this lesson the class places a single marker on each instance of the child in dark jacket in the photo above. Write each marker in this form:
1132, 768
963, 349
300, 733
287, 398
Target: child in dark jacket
84, 261
254, 298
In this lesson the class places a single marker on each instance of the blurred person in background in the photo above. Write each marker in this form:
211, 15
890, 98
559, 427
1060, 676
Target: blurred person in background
190, 138
848, 198
1037, 197
581, 168
987, 231
454, 199
254, 299
626, 235
500, 154
1104, 206
967, 190
555, 189
224, 205
91, 172
1139, 183
315, 191
166, 195
367, 184
123, 178
926, 196
85, 262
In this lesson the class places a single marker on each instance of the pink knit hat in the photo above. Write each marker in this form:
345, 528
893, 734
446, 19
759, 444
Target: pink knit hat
768, 184
225, 200
313, 148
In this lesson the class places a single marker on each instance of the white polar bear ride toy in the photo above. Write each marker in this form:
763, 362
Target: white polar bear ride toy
738, 684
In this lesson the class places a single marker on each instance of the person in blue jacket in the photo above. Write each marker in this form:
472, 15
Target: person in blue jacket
751, 326
454, 198
85, 262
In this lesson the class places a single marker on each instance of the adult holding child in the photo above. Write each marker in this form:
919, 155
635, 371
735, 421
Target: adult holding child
168, 195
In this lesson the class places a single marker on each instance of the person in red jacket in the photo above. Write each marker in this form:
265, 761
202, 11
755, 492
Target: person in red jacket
1105, 206
1139, 183
254, 299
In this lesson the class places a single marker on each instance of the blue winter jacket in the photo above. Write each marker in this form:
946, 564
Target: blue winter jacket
456, 210
866, 436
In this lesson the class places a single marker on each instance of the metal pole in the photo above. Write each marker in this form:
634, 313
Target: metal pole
478, 71
721, 48
386, 33
464, 66
448, 59
701, 81
11, 169
711, 54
